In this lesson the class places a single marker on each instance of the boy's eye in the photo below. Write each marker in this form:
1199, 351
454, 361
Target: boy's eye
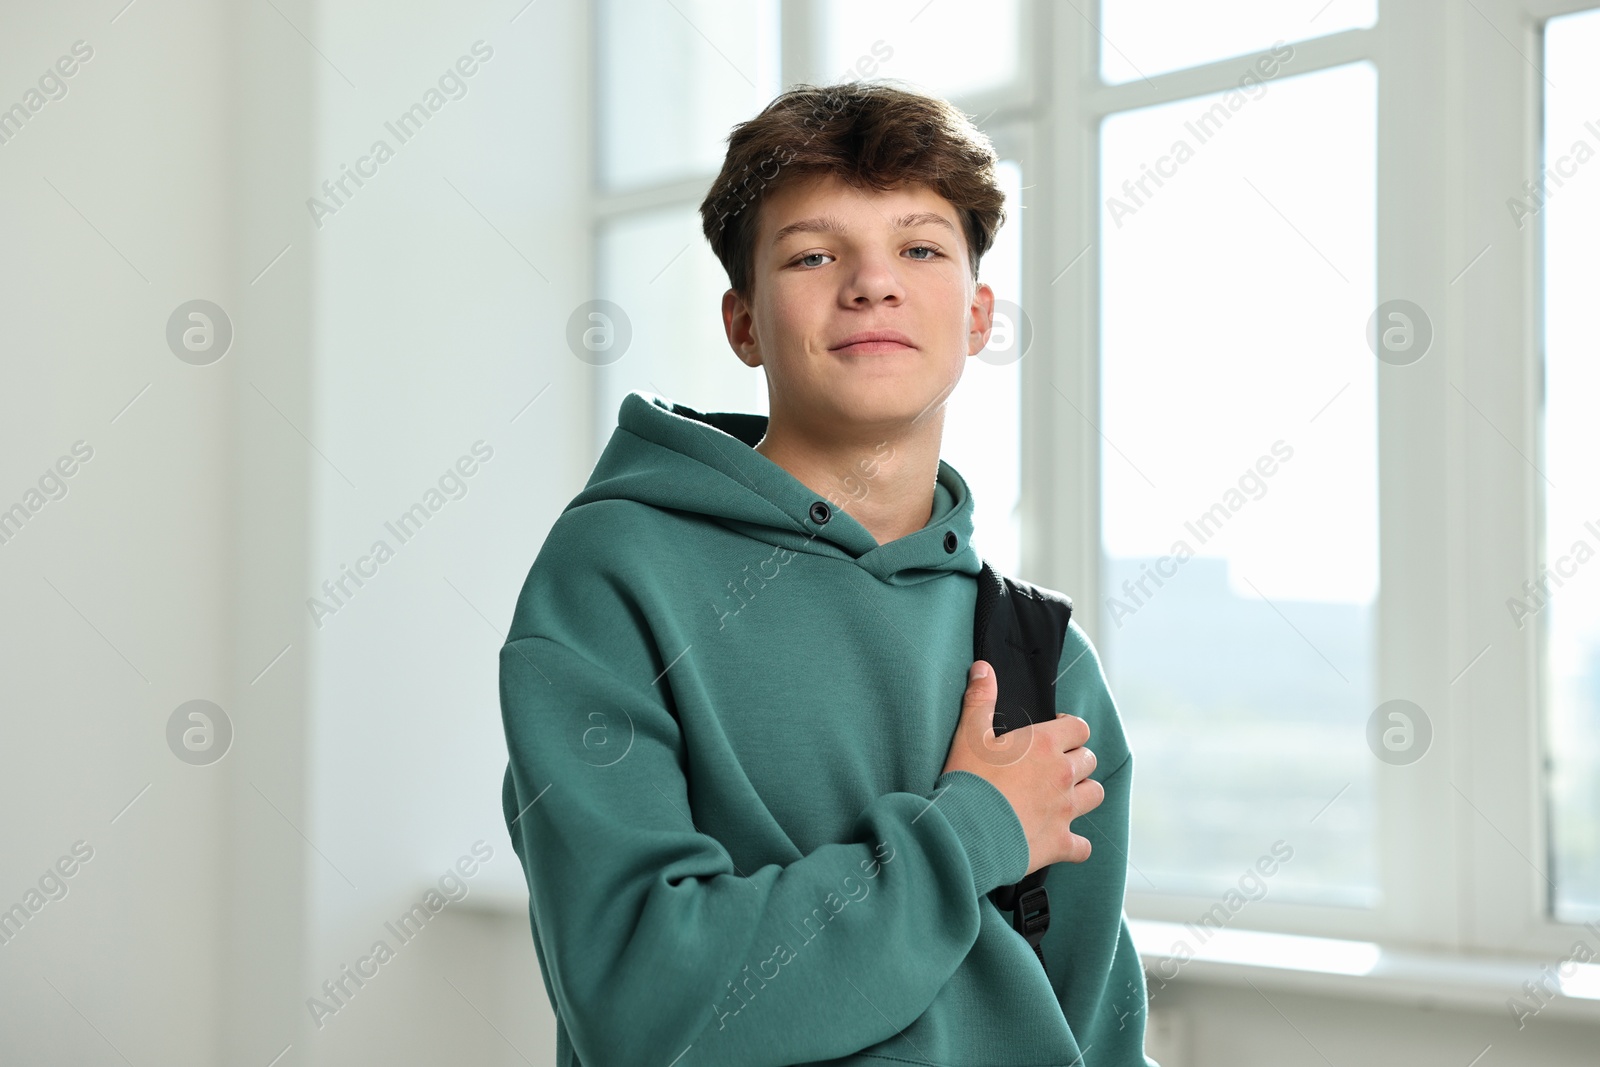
925, 248
811, 255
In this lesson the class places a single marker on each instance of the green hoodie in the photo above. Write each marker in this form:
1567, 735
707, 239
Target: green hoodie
727, 709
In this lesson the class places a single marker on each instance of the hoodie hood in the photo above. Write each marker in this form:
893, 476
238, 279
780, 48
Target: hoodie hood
669, 455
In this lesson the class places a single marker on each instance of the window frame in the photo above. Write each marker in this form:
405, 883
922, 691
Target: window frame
1460, 511
1450, 150
1075, 561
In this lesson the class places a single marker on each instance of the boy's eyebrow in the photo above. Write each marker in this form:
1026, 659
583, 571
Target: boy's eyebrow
922, 218
819, 224
832, 224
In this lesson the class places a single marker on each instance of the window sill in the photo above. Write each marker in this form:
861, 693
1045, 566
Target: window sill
1325, 966
1366, 970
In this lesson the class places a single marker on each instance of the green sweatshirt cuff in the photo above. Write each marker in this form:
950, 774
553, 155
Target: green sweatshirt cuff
987, 826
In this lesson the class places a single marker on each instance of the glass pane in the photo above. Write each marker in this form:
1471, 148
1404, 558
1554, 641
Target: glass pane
925, 44
674, 78
1144, 38
1568, 604
1239, 482
982, 428
666, 327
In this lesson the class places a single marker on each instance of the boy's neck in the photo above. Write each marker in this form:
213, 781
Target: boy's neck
884, 482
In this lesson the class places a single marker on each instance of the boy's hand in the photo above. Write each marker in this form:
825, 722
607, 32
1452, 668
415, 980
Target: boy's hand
1042, 769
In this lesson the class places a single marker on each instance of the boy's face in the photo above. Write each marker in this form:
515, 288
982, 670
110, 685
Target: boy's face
832, 262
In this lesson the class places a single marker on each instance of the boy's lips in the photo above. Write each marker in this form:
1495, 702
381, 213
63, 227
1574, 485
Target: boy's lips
873, 342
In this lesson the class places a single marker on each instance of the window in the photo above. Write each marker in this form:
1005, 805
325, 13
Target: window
982, 438
1211, 364
1145, 38
720, 59
1240, 425
657, 267
928, 45
1565, 599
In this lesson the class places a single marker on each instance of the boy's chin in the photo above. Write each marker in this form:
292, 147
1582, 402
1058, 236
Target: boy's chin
882, 406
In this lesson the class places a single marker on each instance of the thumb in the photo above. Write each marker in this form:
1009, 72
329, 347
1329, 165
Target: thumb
977, 720
982, 692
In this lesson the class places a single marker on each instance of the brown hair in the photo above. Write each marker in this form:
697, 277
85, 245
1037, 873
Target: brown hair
868, 134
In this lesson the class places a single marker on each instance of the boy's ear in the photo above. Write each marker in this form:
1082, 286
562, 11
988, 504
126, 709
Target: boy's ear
738, 324
982, 318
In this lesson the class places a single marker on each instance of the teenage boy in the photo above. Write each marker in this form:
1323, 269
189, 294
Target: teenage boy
754, 787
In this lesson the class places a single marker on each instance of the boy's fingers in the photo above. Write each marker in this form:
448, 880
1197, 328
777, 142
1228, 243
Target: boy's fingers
977, 722
1078, 848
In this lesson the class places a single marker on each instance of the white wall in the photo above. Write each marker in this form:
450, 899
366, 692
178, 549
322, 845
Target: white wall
442, 293
117, 207
179, 562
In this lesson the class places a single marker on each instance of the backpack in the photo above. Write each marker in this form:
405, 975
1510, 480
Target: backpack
1019, 630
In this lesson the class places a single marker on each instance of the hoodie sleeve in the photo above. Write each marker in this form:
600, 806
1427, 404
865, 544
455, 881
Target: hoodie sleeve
1099, 980
659, 950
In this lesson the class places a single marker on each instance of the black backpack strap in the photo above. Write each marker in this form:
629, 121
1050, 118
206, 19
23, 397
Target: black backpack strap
1019, 630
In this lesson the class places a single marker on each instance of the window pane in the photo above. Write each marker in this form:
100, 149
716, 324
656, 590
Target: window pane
674, 78
982, 429
1150, 37
929, 45
1568, 605
657, 268
1239, 481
